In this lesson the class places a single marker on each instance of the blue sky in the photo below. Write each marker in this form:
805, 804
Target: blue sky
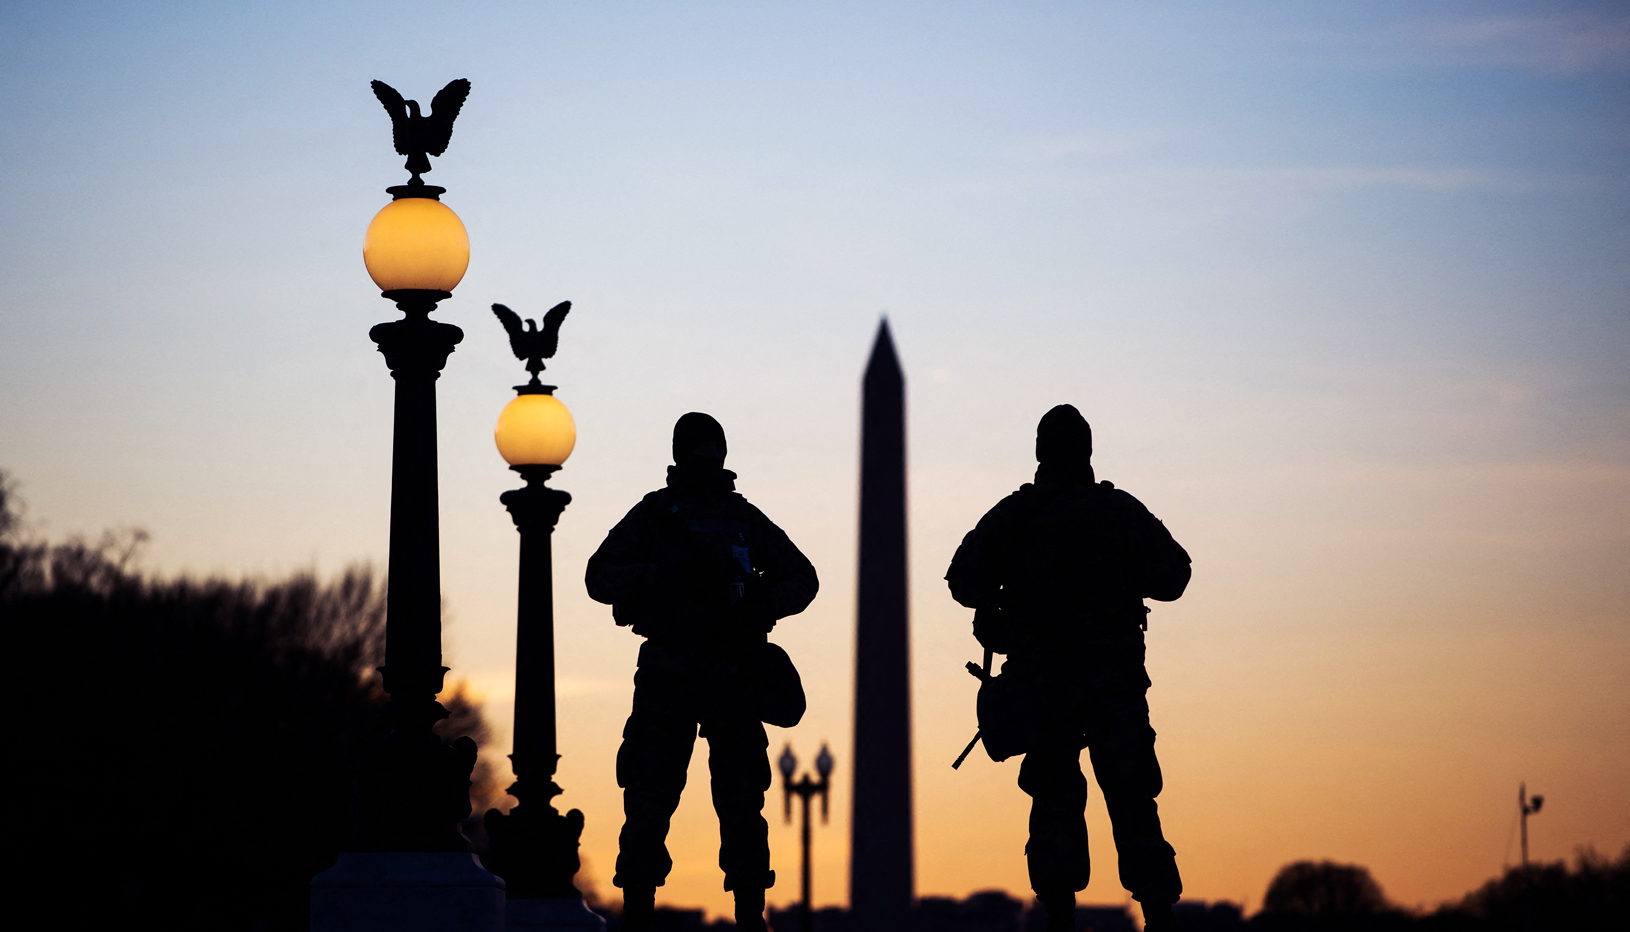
1342, 288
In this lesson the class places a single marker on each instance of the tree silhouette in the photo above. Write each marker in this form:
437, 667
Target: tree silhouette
1595, 894
1324, 895
191, 742
1324, 888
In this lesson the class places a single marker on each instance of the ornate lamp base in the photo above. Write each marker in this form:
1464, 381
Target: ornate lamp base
413, 791
535, 850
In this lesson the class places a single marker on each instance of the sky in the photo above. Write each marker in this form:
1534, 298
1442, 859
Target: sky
1344, 290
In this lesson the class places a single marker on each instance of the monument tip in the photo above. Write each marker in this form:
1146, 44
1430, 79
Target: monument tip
883, 358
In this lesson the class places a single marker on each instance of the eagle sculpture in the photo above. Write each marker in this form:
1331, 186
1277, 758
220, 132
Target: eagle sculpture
417, 135
530, 343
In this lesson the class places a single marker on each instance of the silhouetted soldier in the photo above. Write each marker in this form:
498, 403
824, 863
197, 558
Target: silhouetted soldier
703, 576
1057, 573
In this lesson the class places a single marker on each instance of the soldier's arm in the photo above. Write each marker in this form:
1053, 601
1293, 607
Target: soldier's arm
1164, 567
622, 568
789, 576
980, 564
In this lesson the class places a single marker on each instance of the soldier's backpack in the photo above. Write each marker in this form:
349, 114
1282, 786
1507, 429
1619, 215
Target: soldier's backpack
1008, 708
777, 688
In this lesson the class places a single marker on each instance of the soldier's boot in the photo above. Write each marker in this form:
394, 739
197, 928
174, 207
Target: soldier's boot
1158, 917
1060, 906
750, 910
639, 908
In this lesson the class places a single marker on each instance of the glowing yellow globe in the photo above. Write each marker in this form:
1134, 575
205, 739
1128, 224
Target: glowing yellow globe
416, 243
535, 430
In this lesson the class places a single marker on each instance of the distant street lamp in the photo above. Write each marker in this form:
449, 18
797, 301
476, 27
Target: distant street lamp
534, 847
804, 789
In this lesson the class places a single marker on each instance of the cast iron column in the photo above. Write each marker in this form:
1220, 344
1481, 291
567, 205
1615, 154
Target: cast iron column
534, 847
415, 787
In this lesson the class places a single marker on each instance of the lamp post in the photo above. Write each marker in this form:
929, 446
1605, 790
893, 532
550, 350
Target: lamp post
416, 790
411, 867
534, 847
804, 789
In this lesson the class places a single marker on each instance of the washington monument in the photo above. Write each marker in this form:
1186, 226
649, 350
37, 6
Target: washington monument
882, 876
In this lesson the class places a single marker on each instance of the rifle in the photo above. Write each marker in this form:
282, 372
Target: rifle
981, 675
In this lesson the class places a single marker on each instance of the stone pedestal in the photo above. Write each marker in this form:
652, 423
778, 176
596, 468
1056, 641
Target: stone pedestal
551, 915
407, 892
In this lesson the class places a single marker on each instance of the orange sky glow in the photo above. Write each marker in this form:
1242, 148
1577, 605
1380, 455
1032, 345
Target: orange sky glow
1341, 288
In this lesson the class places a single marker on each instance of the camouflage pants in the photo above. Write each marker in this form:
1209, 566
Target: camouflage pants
669, 707
1113, 724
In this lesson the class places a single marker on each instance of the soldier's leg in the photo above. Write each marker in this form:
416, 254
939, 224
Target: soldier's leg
1123, 760
740, 771
1057, 850
651, 767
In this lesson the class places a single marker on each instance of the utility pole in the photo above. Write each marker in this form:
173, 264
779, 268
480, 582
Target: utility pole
1528, 805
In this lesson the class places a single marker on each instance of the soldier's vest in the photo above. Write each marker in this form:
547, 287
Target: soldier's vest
1071, 566
720, 550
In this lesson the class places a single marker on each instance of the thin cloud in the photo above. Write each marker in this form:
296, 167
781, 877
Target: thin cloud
1349, 177
1186, 197
1564, 44
1088, 146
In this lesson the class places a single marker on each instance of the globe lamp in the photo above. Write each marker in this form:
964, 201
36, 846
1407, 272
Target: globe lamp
535, 429
416, 244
